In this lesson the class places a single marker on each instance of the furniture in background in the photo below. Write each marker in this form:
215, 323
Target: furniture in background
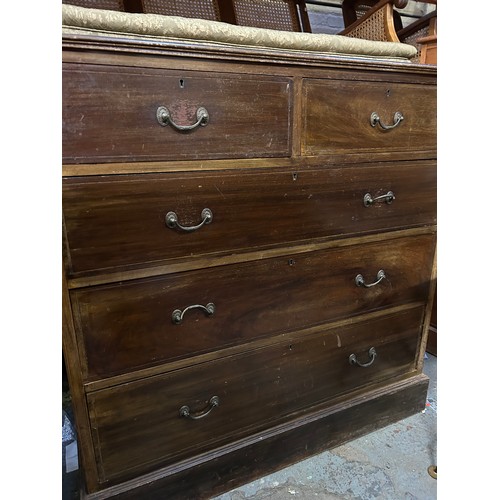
372, 19
202, 9
378, 20
422, 34
367, 19
285, 15
249, 255
118, 5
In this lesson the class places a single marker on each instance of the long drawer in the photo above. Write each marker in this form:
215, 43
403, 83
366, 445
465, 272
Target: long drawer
113, 114
345, 117
113, 223
141, 323
233, 397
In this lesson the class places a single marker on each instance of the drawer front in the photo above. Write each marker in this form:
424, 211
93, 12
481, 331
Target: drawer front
138, 426
132, 324
110, 115
337, 117
114, 223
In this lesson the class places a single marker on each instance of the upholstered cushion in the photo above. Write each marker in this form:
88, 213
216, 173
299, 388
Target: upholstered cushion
81, 19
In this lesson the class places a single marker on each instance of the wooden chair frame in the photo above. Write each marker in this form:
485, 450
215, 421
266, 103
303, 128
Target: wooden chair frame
376, 24
382, 22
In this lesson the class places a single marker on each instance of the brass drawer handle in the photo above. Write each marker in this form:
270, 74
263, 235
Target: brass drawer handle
165, 118
375, 119
389, 197
360, 281
178, 315
184, 411
354, 361
172, 221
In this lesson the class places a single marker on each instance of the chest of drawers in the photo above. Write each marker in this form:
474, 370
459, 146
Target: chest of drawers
249, 246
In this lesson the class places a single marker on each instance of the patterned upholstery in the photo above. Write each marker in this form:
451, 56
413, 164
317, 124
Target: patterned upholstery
153, 25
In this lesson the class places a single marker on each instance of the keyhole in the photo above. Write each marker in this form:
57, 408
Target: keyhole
295, 175
388, 93
181, 83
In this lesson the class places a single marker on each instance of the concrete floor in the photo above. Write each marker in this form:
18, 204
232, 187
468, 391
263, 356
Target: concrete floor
389, 464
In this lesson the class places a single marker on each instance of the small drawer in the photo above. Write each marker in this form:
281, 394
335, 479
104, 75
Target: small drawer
113, 114
148, 423
348, 117
115, 223
141, 323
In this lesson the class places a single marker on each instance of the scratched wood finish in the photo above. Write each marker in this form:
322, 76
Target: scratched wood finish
292, 206
129, 325
255, 389
293, 314
337, 115
109, 114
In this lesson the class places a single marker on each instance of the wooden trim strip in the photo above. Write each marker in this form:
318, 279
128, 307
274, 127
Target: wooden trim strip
73, 369
336, 160
227, 52
427, 315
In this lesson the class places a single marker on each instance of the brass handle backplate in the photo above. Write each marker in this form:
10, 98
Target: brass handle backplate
185, 411
389, 197
164, 118
172, 221
375, 120
178, 315
360, 281
353, 360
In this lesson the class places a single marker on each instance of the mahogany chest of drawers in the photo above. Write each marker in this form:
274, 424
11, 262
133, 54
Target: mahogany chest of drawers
249, 247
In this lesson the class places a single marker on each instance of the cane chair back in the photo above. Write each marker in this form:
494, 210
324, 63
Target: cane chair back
98, 4
284, 15
201, 9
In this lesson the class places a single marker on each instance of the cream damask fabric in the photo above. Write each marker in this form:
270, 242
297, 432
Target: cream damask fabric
154, 25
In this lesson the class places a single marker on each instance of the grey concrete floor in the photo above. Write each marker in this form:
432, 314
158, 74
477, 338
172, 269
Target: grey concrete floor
389, 464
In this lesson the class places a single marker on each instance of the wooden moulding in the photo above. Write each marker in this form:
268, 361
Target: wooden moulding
227, 468
205, 55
